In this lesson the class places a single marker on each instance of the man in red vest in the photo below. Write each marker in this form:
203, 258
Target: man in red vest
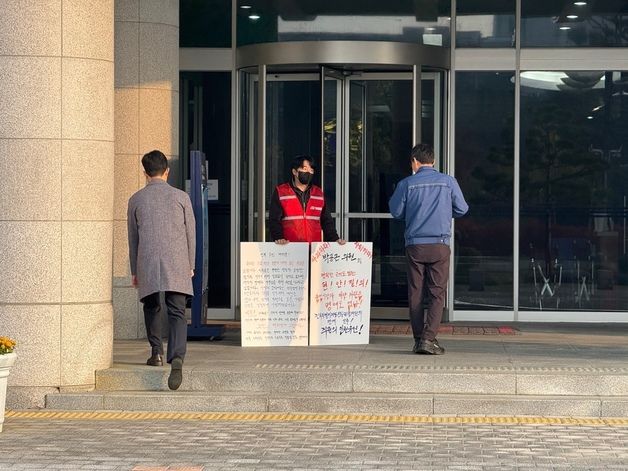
297, 209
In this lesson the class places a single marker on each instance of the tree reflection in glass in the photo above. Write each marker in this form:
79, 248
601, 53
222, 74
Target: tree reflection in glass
573, 174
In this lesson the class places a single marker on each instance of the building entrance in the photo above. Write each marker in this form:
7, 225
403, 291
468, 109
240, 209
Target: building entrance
358, 122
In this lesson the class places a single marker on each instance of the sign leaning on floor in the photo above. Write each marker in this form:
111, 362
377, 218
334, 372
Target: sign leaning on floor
274, 294
340, 293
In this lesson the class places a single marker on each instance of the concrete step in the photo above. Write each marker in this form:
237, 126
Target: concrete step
385, 379
444, 389
345, 403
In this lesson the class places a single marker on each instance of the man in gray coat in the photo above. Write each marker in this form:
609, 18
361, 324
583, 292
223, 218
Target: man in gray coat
162, 247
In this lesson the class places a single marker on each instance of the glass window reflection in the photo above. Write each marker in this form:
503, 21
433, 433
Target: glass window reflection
416, 21
380, 139
389, 278
485, 23
248, 155
205, 109
205, 23
293, 111
484, 168
586, 23
574, 169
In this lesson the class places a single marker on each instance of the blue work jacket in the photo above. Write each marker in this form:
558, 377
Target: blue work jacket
427, 201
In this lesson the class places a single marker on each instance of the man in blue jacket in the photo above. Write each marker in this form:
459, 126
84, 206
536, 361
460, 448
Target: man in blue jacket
427, 200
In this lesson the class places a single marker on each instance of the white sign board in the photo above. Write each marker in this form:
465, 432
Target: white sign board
274, 294
340, 293
212, 190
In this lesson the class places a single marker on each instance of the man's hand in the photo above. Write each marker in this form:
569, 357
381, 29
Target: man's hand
191, 273
281, 241
134, 281
341, 241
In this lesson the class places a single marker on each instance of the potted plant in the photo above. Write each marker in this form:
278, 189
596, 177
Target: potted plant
7, 358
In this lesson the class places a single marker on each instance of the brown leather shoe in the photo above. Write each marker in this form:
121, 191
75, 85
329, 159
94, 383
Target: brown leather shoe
155, 360
429, 347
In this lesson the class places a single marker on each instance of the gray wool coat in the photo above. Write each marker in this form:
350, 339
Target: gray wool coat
162, 239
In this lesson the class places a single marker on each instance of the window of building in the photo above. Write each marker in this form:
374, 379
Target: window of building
573, 210
205, 23
484, 168
586, 23
416, 21
485, 23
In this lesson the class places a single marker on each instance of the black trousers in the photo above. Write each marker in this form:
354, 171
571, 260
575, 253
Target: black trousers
177, 324
428, 273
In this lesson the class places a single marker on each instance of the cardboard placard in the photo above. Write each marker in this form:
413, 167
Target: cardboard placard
340, 293
274, 294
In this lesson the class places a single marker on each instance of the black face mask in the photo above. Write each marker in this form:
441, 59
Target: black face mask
305, 177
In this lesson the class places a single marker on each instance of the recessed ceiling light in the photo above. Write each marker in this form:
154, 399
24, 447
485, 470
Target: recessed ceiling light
254, 17
580, 4
430, 28
572, 17
245, 7
565, 27
589, 117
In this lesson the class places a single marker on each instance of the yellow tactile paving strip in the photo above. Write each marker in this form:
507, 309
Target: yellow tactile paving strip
281, 417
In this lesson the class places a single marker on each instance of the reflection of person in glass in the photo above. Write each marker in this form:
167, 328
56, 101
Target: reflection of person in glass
298, 212
427, 200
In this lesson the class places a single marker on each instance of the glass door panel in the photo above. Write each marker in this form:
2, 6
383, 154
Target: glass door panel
389, 283
292, 122
206, 108
381, 137
355, 146
357, 127
293, 110
248, 84
380, 127
332, 138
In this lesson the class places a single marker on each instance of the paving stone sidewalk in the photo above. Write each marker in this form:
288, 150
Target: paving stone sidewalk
28, 444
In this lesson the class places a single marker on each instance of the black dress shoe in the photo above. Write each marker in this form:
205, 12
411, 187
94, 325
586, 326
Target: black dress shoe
176, 373
155, 360
429, 347
415, 349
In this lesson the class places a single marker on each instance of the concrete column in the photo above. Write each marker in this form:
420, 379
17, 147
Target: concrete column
146, 118
56, 196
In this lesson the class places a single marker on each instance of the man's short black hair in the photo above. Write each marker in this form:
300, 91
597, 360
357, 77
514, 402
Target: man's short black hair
423, 153
297, 162
155, 163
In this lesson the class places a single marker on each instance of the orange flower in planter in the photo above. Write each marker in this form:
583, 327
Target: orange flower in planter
7, 359
6, 345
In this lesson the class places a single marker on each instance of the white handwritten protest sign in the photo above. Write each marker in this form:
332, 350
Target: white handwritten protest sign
274, 294
340, 293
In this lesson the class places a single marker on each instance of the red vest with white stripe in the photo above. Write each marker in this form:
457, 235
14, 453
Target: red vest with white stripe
300, 226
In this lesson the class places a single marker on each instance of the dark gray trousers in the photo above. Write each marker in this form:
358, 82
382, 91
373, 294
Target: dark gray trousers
177, 324
428, 273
